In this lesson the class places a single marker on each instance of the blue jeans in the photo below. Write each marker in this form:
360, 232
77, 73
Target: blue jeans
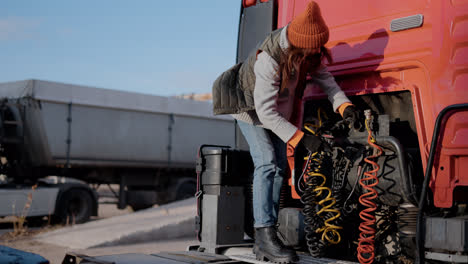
268, 153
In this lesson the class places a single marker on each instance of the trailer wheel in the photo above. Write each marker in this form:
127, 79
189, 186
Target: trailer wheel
75, 206
140, 199
186, 190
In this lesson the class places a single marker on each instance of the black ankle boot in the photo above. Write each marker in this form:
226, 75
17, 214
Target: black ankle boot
268, 247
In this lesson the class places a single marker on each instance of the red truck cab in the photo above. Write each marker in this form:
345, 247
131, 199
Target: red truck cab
407, 60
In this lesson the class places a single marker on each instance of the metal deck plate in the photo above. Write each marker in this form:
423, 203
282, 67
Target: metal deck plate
303, 259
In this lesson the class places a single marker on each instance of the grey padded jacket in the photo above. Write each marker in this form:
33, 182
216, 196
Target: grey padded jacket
270, 109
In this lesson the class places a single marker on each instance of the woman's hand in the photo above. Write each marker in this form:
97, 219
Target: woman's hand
353, 117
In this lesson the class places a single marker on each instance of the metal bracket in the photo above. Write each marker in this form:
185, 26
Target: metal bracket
452, 258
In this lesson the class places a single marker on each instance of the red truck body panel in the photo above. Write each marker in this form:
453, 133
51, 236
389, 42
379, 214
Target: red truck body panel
430, 61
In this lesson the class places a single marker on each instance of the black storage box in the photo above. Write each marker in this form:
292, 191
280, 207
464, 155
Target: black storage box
224, 175
224, 166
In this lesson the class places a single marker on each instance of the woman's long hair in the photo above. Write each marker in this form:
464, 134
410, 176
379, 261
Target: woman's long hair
307, 61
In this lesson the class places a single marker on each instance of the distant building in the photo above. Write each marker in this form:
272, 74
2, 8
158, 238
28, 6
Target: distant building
196, 97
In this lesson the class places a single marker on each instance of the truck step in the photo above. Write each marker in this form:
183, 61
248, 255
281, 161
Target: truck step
303, 259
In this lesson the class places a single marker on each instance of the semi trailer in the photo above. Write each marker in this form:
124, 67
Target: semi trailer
58, 141
394, 192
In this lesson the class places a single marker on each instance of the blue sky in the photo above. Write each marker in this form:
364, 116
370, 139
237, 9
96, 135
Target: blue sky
148, 46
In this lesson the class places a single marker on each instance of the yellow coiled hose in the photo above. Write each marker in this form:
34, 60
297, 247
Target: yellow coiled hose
329, 230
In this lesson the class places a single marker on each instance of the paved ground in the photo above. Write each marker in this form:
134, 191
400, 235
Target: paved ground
169, 221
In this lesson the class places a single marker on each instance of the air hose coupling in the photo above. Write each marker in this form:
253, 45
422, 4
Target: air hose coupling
368, 114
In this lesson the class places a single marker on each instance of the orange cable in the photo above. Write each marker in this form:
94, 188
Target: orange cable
366, 249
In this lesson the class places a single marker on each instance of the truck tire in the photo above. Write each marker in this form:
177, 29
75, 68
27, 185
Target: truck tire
186, 190
140, 200
75, 206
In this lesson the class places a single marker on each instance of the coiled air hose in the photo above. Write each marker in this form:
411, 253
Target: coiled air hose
366, 249
319, 211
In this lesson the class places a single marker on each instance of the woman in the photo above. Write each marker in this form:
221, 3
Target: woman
262, 93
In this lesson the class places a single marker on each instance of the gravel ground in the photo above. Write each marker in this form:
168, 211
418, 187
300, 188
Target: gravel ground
55, 254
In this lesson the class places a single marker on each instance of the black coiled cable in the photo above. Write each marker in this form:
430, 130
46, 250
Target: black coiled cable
313, 222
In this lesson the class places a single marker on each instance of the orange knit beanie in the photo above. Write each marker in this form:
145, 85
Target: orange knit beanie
308, 30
